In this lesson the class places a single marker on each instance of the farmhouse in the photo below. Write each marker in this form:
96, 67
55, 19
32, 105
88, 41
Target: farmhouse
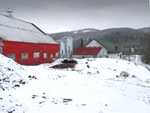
26, 43
108, 47
89, 52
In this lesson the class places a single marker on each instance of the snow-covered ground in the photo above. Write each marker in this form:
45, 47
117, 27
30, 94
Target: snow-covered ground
94, 86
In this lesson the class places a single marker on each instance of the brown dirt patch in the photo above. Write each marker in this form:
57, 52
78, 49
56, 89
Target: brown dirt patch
65, 64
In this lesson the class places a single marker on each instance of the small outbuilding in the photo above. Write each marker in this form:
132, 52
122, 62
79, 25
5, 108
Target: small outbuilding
112, 52
89, 52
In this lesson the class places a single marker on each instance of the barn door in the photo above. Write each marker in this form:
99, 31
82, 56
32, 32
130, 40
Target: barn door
0, 50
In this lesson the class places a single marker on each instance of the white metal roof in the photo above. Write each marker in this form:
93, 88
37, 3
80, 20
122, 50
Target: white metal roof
12, 29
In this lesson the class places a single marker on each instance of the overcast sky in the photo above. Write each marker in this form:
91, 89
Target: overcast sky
61, 15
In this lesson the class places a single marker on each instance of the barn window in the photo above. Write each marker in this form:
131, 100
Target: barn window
57, 54
1, 44
51, 55
0, 50
36, 54
45, 55
12, 56
24, 56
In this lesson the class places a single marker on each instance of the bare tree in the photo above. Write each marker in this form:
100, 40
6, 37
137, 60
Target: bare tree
146, 50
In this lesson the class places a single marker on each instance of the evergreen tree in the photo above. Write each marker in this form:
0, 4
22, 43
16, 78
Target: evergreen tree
81, 42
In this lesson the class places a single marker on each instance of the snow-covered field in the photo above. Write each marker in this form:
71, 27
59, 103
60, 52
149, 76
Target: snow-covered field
94, 86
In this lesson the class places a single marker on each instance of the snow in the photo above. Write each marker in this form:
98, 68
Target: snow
83, 31
11, 74
97, 85
17, 30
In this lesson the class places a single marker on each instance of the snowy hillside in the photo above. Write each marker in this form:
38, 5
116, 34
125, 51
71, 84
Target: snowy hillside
93, 86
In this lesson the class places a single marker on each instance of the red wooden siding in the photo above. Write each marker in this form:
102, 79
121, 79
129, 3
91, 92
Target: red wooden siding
18, 48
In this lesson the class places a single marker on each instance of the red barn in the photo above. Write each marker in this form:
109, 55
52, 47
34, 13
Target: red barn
26, 43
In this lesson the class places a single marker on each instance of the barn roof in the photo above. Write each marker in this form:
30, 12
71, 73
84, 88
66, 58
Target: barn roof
106, 45
87, 51
12, 29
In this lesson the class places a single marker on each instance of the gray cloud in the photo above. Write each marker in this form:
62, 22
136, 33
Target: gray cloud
76, 14
67, 4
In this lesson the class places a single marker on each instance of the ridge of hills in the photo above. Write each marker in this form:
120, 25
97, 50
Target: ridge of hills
124, 38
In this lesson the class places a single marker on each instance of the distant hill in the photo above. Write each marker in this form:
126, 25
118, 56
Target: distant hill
84, 33
125, 38
145, 29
